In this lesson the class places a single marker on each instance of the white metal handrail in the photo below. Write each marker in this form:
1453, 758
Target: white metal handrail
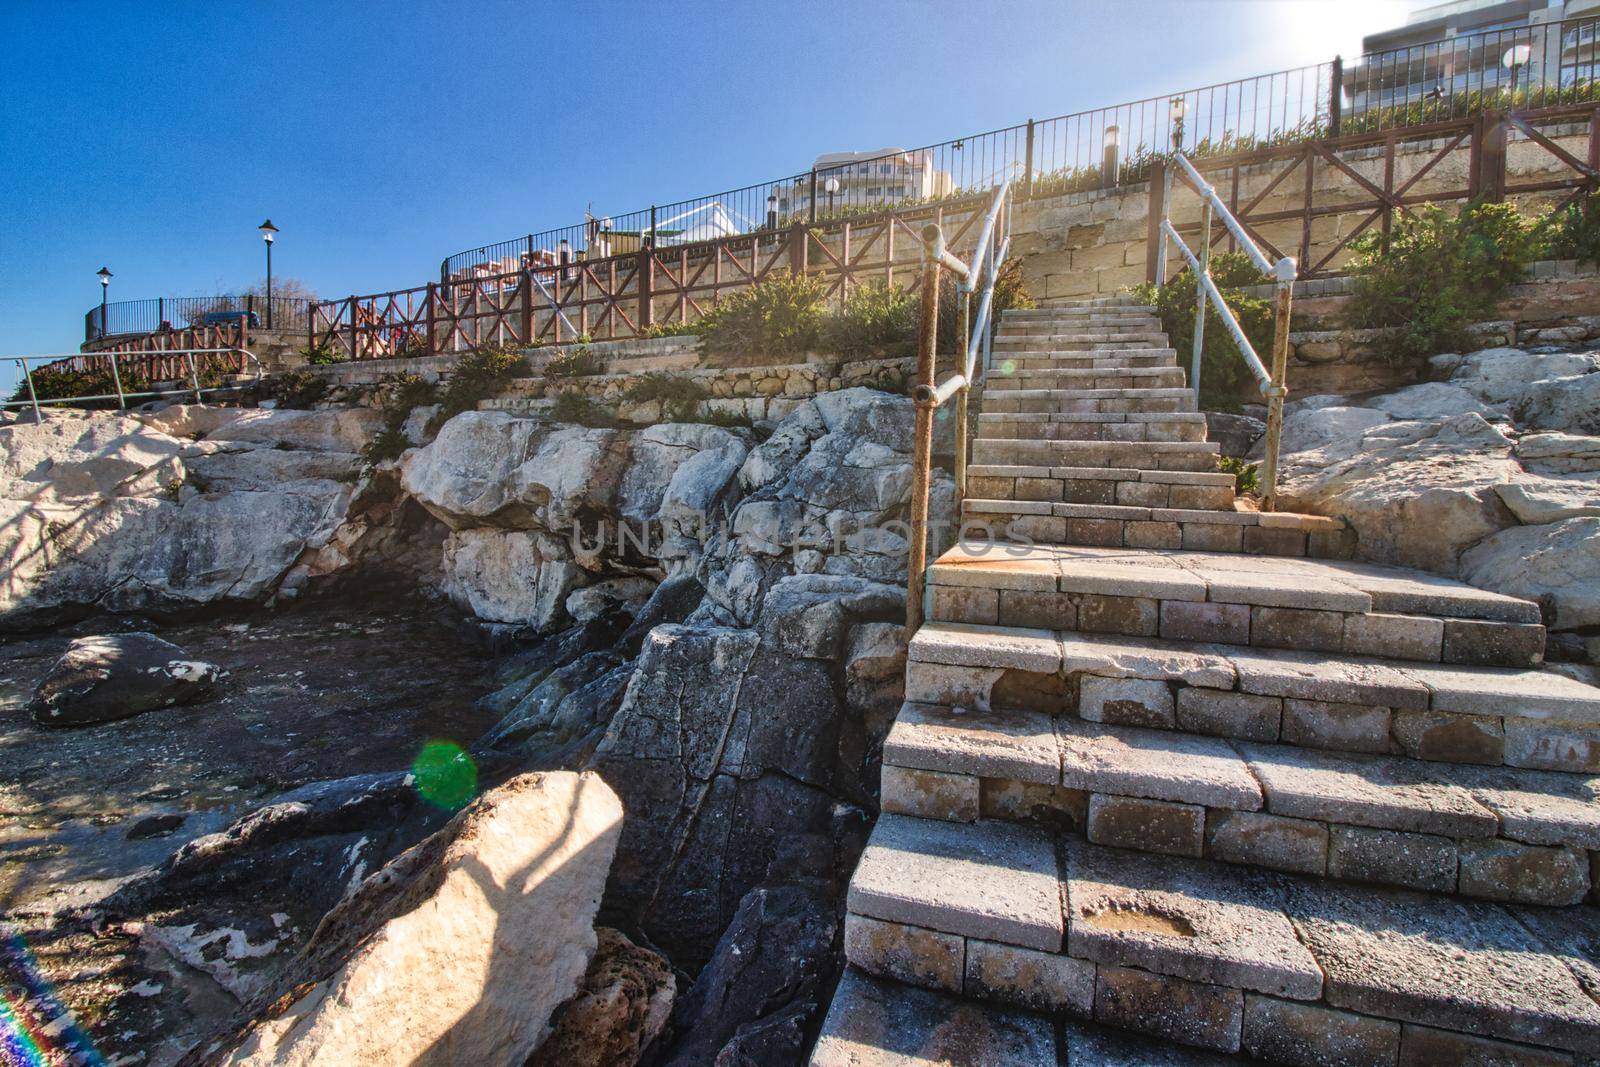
121, 395
1270, 381
983, 268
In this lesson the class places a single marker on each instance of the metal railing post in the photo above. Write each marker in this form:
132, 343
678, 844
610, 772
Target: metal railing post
812, 216
33, 397
194, 377
116, 379
431, 302
1027, 164
1155, 241
353, 351
1166, 209
1277, 390
1336, 98
1200, 302
922, 439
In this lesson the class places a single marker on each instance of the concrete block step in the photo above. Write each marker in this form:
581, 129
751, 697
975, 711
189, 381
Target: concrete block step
1221, 530
1093, 426
1083, 341
1082, 379
1045, 379
1063, 303
1287, 968
1102, 485
1001, 401
1074, 324
1219, 598
1007, 363
1502, 834
1153, 455
879, 1022
1453, 713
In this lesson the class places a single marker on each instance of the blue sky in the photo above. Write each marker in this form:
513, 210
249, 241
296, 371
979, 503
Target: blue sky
152, 138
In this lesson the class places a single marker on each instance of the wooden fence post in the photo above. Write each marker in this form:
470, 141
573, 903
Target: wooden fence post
527, 308
798, 250
647, 274
1492, 158
1336, 98
432, 308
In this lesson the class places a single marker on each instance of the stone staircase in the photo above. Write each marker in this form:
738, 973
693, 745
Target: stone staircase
1175, 767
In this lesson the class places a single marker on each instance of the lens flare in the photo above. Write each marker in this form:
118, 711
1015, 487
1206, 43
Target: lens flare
1007, 366
446, 776
27, 1036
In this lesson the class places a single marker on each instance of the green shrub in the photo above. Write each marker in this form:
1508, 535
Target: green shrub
297, 389
401, 394
573, 406
575, 362
1436, 274
474, 377
671, 329
875, 317
1224, 375
1574, 233
782, 316
324, 354
1246, 475
680, 397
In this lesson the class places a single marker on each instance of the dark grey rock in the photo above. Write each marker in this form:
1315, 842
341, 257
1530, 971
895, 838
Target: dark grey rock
1237, 434
112, 676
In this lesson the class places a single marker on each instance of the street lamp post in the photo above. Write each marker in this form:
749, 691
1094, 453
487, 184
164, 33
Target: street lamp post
1110, 164
1177, 107
1516, 57
267, 230
105, 285
831, 186
772, 211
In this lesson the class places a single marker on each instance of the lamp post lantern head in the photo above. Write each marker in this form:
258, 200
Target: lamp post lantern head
1112, 138
1176, 108
831, 186
1516, 56
267, 230
105, 277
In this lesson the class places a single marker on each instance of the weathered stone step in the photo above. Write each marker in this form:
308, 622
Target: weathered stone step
1084, 379
1084, 340
1102, 485
1093, 426
1532, 719
875, 1022
1291, 969
1492, 833
1009, 363
1151, 455
1055, 305
1077, 324
1312, 605
1003, 398
1231, 530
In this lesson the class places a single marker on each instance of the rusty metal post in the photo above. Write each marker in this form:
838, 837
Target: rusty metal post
963, 333
354, 350
1277, 390
1200, 303
1492, 158
922, 441
799, 248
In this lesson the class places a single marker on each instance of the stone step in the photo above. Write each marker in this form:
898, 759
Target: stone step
1532, 719
1093, 426
876, 1022
1151, 455
1305, 604
1102, 485
1492, 833
1086, 339
1220, 530
1076, 323
1000, 397
1082, 379
1058, 304
1288, 968
1008, 363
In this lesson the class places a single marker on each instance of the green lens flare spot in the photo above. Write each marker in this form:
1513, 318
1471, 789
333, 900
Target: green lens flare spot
446, 777
1008, 366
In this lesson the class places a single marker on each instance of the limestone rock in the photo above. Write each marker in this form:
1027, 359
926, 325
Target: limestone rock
113, 676
809, 614
1319, 427
1559, 453
1535, 500
510, 576
1417, 502
488, 923
1237, 434
333, 430
628, 593
571, 471
1570, 404
622, 1005
656, 457
1430, 400
1505, 375
1558, 563
465, 477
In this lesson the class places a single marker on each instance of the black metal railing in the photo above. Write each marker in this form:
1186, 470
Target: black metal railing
131, 317
1406, 86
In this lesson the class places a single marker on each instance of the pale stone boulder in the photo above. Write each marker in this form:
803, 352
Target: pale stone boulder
571, 470
1419, 501
1504, 375
72, 456
1534, 500
1570, 404
457, 952
1559, 453
511, 576
1558, 562
657, 455
330, 430
465, 477
628, 593
1322, 427
1430, 400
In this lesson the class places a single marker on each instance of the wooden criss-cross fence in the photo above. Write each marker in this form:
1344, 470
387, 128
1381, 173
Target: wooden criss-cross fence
1428, 149
165, 355
623, 296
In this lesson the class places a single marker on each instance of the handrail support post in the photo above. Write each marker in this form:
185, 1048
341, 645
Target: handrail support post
116, 379
1277, 390
922, 438
963, 331
1200, 303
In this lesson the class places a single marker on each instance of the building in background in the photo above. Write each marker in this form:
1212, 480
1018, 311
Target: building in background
863, 179
1464, 46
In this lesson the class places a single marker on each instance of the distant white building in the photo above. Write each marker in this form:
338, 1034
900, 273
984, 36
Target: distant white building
863, 179
1461, 46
